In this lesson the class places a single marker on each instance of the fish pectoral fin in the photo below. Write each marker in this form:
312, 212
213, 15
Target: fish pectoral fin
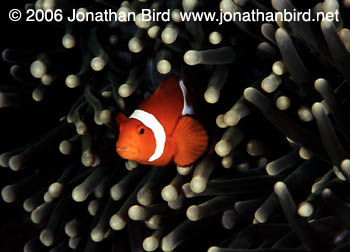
191, 141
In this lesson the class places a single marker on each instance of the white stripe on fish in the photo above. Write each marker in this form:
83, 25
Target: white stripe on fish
151, 122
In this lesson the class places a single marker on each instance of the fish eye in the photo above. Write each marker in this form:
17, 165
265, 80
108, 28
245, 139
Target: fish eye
142, 130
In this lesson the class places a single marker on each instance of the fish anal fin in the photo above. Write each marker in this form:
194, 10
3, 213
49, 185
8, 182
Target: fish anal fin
191, 141
120, 118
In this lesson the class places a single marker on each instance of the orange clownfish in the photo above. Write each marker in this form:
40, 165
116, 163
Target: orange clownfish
161, 129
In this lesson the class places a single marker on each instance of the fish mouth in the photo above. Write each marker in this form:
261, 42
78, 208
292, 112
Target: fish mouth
125, 149
126, 152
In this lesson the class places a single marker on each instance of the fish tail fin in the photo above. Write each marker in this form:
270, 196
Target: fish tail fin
191, 141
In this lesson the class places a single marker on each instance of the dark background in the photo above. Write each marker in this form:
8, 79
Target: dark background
18, 126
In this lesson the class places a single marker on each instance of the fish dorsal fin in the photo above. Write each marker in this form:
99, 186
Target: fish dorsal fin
191, 141
171, 85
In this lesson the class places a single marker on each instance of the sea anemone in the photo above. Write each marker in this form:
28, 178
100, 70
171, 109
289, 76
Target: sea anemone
274, 102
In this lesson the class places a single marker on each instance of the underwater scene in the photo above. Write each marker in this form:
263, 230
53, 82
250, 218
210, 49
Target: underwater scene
182, 125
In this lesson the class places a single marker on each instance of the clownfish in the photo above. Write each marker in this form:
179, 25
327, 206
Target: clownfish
161, 130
